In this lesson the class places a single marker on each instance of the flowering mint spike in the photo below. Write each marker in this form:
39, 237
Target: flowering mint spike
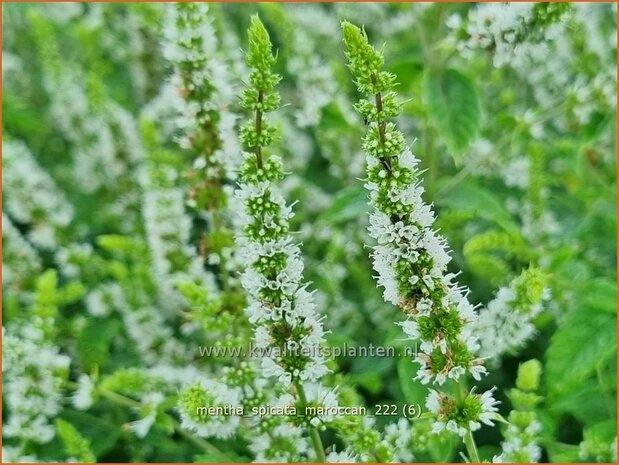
410, 258
203, 81
280, 306
507, 322
288, 330
521, 443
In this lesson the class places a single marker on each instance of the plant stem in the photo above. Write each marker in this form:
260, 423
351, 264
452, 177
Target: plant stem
201, 443
430, 159
471, 447
313, 432
127, 401
259, 130
469, 440
119, 398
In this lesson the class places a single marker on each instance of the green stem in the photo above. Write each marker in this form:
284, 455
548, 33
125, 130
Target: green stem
313, 432
259, 130
469, 440
127, 401
119, 398
201, 443
471, 447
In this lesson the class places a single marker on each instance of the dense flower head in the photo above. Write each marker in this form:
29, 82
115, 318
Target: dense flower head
205, 394
35, 199
288, 328
511, 31
203, 81
410, 258
34, 370
507, 321
462, 415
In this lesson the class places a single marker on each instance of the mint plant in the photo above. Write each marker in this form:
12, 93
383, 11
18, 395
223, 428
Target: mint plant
279, 304
192, 272
410, 258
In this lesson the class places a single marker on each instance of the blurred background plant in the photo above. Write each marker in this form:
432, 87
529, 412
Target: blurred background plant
115, 244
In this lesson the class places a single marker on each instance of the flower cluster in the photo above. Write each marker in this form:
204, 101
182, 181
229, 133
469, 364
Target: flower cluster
33, 368
35, 199
507, 322
410, 258
34, 371
95, 159
20, 261
280, 305
367, 443
207, 127
205, 394
168, 225
316, 83
523, 431
467, 415
513, 32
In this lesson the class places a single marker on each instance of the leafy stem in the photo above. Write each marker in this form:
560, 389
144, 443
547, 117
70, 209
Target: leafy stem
313, 431
468, 439
259, 128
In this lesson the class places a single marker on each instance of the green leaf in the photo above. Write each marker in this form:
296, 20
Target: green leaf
414, 391
76, 445
512, 243
454, 107
442, 447
372, 382
93, 426
347, 204
95, 341
493, 269
481, 202
581, 344
601, 293
563, 453
588, 403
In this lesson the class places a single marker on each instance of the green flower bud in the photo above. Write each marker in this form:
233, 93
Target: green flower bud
529, 375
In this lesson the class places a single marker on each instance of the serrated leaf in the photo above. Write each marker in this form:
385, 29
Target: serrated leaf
481, 202
454, 107
512, 243
587, 403
94, 426
76, 445
601, 293
581, 344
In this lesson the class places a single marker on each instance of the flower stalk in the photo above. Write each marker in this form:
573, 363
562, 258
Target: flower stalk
410, 258
283, 312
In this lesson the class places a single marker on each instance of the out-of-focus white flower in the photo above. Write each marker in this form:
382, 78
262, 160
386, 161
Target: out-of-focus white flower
83, 396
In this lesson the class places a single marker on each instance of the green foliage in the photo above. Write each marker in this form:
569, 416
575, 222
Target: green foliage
120, 251
582, 344
454, 107
529, 374
76, 446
